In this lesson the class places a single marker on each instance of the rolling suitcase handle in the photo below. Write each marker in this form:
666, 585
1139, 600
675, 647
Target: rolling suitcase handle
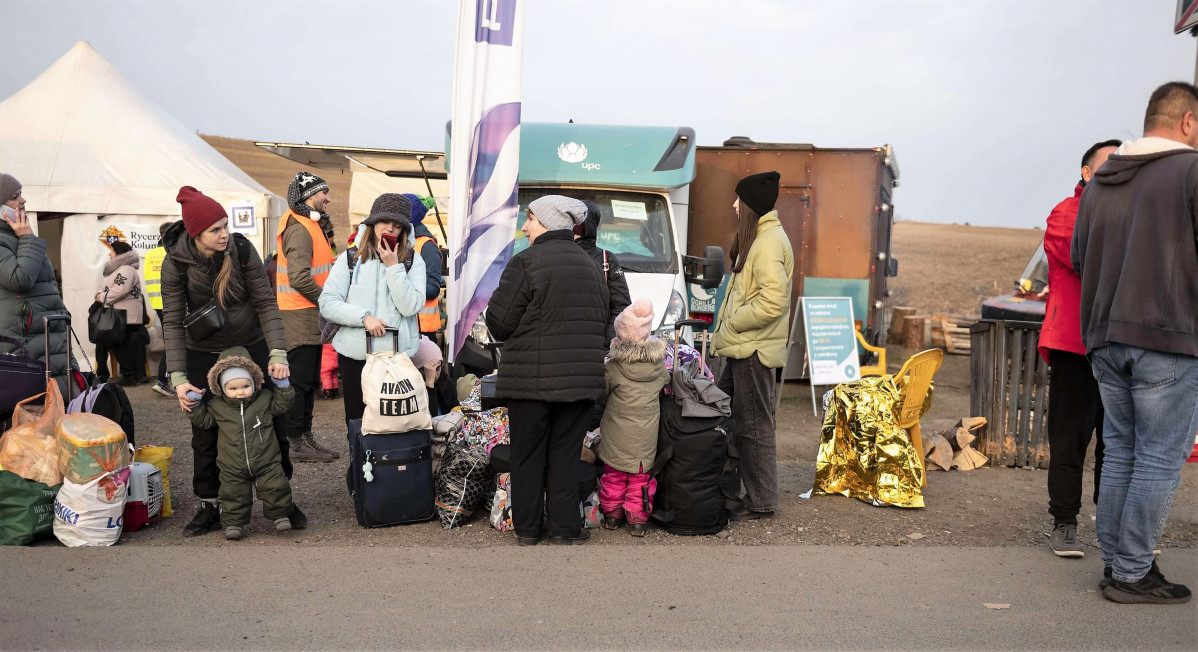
394, 338
46, 331
699, 328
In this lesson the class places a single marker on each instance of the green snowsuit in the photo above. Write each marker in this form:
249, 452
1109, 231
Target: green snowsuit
246, 449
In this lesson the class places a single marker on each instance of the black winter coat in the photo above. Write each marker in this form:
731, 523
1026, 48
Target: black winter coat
251, 314
617, 286
550, 311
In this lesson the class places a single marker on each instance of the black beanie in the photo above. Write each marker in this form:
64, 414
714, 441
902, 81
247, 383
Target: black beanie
121, 247
759, 191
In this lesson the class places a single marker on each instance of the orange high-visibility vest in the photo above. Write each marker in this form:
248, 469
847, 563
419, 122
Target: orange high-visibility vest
322, 262
430, 314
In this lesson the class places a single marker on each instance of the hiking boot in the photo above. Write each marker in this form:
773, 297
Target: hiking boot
207, 519
234, 533
742, 514
1063, 541
612, 522
1153, 588
314, 443
303, 451
638, 529
575, 540
161, 388
299, 520
330, 394
282, 524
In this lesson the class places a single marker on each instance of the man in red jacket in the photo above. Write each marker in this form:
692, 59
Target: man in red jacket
1074, 404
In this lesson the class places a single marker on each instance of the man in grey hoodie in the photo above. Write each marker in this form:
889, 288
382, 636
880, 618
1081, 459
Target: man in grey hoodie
1135, 247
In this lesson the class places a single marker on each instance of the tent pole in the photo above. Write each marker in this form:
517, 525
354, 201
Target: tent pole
437, 211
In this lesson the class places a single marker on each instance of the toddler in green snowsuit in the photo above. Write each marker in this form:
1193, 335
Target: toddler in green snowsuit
242, 407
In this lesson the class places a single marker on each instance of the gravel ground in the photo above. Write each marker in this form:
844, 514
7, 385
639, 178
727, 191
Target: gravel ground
986, 507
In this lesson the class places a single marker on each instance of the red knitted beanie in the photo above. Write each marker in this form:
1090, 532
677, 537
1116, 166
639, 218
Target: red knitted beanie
199, 210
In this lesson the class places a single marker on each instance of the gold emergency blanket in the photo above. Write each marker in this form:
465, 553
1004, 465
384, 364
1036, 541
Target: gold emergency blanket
863, 453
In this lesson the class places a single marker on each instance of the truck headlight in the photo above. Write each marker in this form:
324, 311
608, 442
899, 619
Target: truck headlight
675, 311
479, 332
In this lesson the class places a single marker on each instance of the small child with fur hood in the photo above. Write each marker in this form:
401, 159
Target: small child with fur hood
247, 452
636, 374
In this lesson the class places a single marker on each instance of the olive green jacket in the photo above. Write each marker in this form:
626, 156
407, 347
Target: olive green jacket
755, 315
636, 373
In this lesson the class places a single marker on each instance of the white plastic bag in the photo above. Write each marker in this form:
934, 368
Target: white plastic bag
394, 393
91, 514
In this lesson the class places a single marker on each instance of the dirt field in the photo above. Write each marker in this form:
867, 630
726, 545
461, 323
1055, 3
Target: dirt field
948, 268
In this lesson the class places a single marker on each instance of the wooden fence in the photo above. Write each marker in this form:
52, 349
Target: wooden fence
1010, 388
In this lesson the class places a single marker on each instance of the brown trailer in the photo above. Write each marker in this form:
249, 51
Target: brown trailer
835, 204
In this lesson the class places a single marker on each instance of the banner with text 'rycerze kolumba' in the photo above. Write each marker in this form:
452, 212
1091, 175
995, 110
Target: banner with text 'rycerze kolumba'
484, 157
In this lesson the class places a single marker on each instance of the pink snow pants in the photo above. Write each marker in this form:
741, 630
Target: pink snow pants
626, 495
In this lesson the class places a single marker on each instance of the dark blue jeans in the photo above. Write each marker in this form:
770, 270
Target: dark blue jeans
1151, 403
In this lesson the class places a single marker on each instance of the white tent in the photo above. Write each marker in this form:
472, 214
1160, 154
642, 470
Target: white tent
100, 162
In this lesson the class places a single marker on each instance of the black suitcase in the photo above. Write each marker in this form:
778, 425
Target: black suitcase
400, 487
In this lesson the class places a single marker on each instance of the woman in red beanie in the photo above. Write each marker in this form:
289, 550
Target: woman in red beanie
206, 265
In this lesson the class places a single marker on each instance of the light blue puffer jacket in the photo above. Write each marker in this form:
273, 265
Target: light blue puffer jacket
389, 293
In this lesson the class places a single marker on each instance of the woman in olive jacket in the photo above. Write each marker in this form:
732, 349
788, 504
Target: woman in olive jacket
550, 312
751, 333
205, 262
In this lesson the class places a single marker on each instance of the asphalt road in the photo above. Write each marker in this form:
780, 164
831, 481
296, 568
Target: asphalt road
260, 596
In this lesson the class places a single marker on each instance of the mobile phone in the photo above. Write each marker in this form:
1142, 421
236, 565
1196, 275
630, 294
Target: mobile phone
392, 241
9, 213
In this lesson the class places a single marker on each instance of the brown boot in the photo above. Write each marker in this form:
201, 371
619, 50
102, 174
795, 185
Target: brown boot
315, 443
302, 451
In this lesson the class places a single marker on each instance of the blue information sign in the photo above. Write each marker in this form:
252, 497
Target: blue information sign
831, 340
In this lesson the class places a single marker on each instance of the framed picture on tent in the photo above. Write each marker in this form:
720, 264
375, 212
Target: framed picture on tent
242, 219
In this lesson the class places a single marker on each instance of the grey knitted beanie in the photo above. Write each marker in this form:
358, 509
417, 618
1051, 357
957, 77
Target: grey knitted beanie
9, 187
557, 212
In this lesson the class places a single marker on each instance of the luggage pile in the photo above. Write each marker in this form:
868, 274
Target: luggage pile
71, 472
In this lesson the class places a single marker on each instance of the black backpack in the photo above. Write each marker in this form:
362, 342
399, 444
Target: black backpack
697, 480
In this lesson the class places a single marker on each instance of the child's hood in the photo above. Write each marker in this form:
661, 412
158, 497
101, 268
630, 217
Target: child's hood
237, 356
639, 361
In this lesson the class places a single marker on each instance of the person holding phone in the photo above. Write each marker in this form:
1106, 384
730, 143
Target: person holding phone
28, 290
205, 264
381, 287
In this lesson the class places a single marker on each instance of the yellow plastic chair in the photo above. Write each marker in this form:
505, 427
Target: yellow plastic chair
913, 380
876, 369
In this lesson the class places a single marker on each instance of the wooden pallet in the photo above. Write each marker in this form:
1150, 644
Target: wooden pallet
917, 331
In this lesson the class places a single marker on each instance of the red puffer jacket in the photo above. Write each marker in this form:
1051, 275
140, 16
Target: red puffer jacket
1062, 326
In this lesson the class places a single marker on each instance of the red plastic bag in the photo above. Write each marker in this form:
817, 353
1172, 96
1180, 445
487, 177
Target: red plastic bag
30, 448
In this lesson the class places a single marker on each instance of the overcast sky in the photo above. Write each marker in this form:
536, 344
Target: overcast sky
989, 104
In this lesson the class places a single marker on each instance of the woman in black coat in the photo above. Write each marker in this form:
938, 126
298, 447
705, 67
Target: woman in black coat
550, 311
204, 262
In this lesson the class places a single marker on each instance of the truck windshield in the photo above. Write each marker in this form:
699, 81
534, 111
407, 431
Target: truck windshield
633, 225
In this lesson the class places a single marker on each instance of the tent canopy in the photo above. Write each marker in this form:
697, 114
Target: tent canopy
81, 140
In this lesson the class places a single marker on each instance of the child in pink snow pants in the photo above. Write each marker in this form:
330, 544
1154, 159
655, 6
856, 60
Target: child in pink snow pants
636, 374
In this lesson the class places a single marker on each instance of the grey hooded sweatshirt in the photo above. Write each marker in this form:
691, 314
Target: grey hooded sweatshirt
1135, 247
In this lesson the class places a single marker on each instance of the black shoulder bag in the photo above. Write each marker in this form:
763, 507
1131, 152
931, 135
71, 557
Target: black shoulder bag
206, 320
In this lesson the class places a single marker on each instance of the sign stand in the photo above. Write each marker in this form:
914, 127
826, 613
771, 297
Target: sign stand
829, 334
